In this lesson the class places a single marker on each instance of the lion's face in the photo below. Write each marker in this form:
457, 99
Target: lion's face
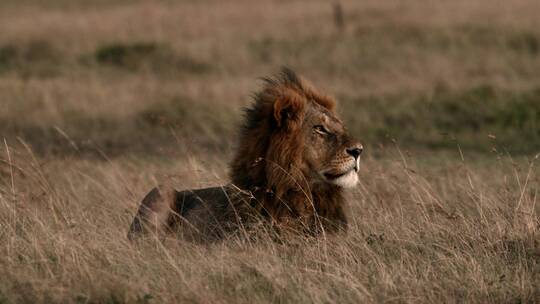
292, 138
330, 154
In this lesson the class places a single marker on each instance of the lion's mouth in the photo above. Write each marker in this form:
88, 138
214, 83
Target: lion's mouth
335, 176
346, 179
331, 175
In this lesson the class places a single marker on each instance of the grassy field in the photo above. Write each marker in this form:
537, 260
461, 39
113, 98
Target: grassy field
101, 100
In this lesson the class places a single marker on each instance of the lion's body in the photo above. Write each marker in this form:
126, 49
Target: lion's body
293, 161
207, 213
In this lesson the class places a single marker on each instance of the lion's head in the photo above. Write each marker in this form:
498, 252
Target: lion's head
293, 141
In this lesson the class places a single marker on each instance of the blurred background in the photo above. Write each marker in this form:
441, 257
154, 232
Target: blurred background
152, 78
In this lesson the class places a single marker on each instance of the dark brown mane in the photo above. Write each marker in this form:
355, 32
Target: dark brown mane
269, 155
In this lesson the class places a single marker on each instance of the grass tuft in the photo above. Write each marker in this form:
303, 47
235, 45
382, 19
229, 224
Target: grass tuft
154, 57
33, 59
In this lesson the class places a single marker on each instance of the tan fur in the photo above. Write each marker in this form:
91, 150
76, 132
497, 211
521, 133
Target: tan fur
293, 160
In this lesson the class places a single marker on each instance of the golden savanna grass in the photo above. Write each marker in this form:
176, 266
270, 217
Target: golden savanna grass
101, 101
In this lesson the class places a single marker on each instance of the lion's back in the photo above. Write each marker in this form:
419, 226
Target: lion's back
211, 212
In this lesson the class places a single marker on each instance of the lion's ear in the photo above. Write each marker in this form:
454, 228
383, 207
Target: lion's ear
287, 108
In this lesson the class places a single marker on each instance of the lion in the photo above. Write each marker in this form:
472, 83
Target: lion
293, 162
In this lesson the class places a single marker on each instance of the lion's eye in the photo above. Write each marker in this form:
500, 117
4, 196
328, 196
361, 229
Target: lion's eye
321, 129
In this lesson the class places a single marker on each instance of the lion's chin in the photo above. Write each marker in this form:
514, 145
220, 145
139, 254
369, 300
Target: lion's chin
347, 180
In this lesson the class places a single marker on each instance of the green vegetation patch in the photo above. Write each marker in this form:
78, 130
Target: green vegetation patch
197, 116
480, 118
162, 126
36, 58
376, 48
150, 56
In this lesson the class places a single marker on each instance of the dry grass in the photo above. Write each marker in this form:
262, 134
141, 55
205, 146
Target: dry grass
420, 233
101, 100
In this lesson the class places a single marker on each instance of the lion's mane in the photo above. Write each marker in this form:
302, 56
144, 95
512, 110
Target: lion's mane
269, 156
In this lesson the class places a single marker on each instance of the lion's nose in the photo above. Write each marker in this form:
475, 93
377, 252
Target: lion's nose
355, 151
